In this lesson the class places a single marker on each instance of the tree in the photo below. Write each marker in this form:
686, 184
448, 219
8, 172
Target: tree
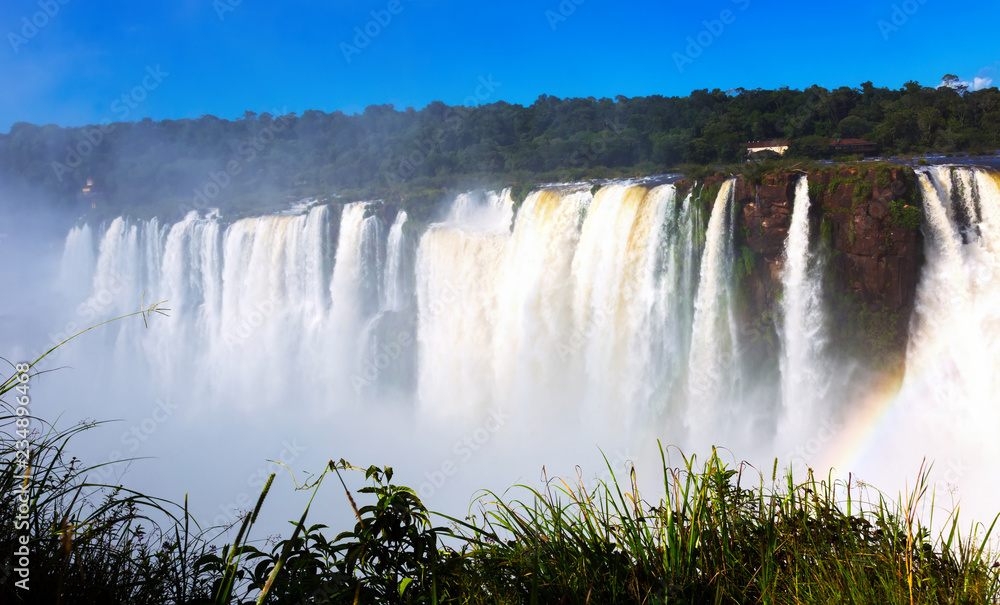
812, 146
952, 81
853, 127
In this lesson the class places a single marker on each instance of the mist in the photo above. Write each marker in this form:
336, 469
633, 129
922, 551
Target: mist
468, 355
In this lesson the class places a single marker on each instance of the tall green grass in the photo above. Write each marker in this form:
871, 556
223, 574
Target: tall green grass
89, 542
725, 535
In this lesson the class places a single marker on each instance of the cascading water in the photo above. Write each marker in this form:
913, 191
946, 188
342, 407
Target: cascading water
458, 269
622, 301
586, 309
484, 209
388, 361
395, 284
352, 286
948, 405
567, 317
671, 314
614, 317
714, 372
274, 299
804, 363
78, 262
237, 299
954, 350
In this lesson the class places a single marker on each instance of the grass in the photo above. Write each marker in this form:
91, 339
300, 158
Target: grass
84, 542
724, 535
714, 533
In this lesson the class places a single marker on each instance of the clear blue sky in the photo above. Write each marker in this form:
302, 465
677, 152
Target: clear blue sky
223, 57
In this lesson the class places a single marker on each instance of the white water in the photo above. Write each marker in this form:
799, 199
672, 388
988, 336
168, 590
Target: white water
487, 210
395, 281
714, 372
577, 316
348, 286
584, 315
78, 261
805, 365
954, 351
598, 321
949, 405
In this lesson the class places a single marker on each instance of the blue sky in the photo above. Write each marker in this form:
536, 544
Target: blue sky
74, 62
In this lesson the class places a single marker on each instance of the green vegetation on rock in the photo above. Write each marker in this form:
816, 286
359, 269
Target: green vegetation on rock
904, 215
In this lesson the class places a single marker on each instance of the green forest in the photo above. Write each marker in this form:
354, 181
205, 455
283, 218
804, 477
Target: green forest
411, 157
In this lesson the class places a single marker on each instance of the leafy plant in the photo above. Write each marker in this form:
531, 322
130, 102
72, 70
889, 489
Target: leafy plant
394, 551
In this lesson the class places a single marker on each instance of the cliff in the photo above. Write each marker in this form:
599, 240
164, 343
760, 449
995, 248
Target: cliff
867, 220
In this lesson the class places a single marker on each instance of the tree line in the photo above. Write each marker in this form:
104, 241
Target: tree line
411, 155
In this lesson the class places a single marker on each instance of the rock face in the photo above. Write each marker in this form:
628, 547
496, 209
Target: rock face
875, 258
874, 262
765, 214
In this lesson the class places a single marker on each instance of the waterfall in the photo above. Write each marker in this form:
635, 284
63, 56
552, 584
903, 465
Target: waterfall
184, 269
238, 297
395, 284
595, 308
355, 289
610, 317
347, 285
116, 276
954, 348
78, 262
535, 291
714, 366
583, 312
665, 339
618, 283
615, 312
458, 270
804, 367
388, 359
489, 210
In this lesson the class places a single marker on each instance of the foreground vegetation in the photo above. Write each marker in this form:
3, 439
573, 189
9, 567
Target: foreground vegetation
411, 157
717, 533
